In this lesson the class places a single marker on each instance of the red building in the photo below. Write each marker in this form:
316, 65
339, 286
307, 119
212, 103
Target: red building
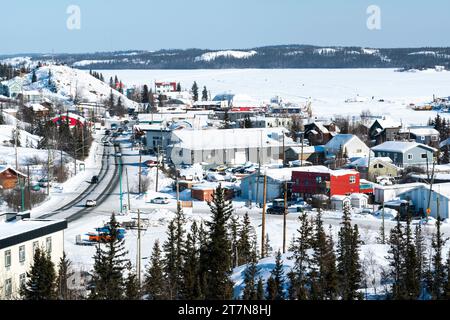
161, 87
321, 180
74, 119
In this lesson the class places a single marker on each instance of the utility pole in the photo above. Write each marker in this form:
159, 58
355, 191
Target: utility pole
138, 258
284, 216
120, 185
15, 146
284, 154
157, 171
301, 153
48, 170
257, 180
383, 236
28, 187
128, 191
140, 173
178, 192
263, 228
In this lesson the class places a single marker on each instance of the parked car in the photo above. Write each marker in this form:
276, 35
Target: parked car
44, 183
107, 132
275, 210
94, 180
91, 203
118, 154
151, 163
160, 200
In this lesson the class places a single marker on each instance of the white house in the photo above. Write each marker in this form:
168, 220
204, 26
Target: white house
349, 144
338, 202
359, 200
228, 146
439, 202
252, 186
18, 240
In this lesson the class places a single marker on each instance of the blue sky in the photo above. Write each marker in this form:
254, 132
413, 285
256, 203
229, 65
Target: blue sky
40, 26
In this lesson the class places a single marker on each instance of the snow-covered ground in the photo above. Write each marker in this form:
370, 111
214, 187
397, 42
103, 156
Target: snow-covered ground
327, 88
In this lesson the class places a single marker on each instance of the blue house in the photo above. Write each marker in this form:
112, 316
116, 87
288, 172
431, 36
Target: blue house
405, 153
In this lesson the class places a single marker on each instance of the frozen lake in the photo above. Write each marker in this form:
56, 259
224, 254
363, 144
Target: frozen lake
327, 88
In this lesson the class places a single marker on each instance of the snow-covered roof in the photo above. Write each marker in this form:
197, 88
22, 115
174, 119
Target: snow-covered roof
364, 162
359, 196
37, 107
14, 228
338, 197
400, 146
306, 149
323, 169
281, 174
4, 168
218, 139
340, 140
387, 122
421, 131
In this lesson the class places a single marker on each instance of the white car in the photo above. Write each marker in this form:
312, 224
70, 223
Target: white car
160, 200
91, 203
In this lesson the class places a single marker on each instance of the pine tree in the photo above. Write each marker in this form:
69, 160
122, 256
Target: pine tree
195, 91
244, 246
396, 261
145, 95
302, 260
217, 270
412, 277
234, 230
41, 278
33, 77
267, 247
271, 289
250, 275
348, 267
421, 259
64, 273
109, 265
438, 270
192, 285
2, 119
169, 262
260, 289
330, 272
247, 122
447, 280
178, 87
277, 274
318, 263
111, 82
154, 283
204, 94
132, 286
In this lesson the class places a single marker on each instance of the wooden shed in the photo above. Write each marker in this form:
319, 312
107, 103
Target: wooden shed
9, 177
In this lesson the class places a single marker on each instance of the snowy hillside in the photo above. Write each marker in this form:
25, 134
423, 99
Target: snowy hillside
26, 139
210, 56
70, 82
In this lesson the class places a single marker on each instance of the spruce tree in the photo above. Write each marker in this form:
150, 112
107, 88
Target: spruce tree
132, 286
438, 270
64, 273
302, 261
171, 269
318, 263
195, 91
421, 259
192, 285
260, 289
218, 250
330, 275
250, 282
234, 230
109, 265
204, 94
155, 282
277, 274
271, 289
144, 98
396, 261
348, 266
41, 284
412, 276
33, 77
178, 87
244, 246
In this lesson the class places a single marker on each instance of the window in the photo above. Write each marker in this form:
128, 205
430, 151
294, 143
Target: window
352, 179
22, 279
180, 153
434, 138
8, 288
358, 150
21, 253
422, 138
380, 166
410, 156
35, 246
318, 179
48, 244
8, 258
423, 155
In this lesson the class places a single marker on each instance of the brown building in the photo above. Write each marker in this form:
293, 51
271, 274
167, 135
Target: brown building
204, 192
9, 177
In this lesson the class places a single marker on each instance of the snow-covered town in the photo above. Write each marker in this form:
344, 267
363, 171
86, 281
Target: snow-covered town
223, 183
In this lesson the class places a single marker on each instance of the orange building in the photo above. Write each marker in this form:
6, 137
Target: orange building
9, 177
